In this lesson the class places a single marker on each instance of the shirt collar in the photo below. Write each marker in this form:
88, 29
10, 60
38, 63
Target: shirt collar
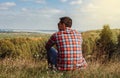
68, 28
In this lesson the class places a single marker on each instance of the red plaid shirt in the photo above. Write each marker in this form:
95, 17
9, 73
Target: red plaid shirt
69, 48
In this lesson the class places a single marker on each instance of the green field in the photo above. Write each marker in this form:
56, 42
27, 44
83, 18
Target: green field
22, 55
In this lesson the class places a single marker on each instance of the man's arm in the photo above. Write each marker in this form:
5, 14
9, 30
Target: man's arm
50, 42
48, 45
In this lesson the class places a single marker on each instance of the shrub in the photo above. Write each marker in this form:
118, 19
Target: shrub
105, 44
7, 49
22, 48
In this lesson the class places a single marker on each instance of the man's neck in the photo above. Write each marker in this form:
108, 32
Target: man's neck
64, 29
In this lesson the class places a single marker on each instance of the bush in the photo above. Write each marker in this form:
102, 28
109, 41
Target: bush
105, 44
22, 48
7, 49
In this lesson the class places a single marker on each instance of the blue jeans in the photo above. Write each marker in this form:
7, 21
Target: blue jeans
52, 57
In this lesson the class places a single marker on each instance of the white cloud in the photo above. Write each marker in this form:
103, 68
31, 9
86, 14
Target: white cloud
24, 9
40, 1
7, 5
50, 11
90, 8
36, 1
46, 12
75, 2
63, 0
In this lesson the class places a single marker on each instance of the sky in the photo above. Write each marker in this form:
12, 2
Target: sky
45, 14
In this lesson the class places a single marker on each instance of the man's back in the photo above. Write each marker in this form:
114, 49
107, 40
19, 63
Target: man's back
69, 48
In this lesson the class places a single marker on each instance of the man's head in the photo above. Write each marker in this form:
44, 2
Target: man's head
64, 22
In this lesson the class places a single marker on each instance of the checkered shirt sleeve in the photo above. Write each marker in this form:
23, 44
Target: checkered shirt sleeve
50, 42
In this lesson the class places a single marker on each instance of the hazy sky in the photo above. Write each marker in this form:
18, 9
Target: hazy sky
45, 14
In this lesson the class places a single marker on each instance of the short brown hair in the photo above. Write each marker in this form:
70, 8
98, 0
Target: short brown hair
67, 21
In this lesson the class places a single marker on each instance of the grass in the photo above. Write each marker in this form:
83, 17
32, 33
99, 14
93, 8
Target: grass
29, 68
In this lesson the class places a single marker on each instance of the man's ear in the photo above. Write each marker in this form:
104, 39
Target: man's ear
64, 26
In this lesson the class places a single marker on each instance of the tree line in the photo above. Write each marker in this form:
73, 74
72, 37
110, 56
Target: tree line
104, 47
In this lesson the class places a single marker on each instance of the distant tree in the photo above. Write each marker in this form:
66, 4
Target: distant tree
105, 43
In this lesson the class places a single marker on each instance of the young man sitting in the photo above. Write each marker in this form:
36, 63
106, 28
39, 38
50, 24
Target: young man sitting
68, 55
